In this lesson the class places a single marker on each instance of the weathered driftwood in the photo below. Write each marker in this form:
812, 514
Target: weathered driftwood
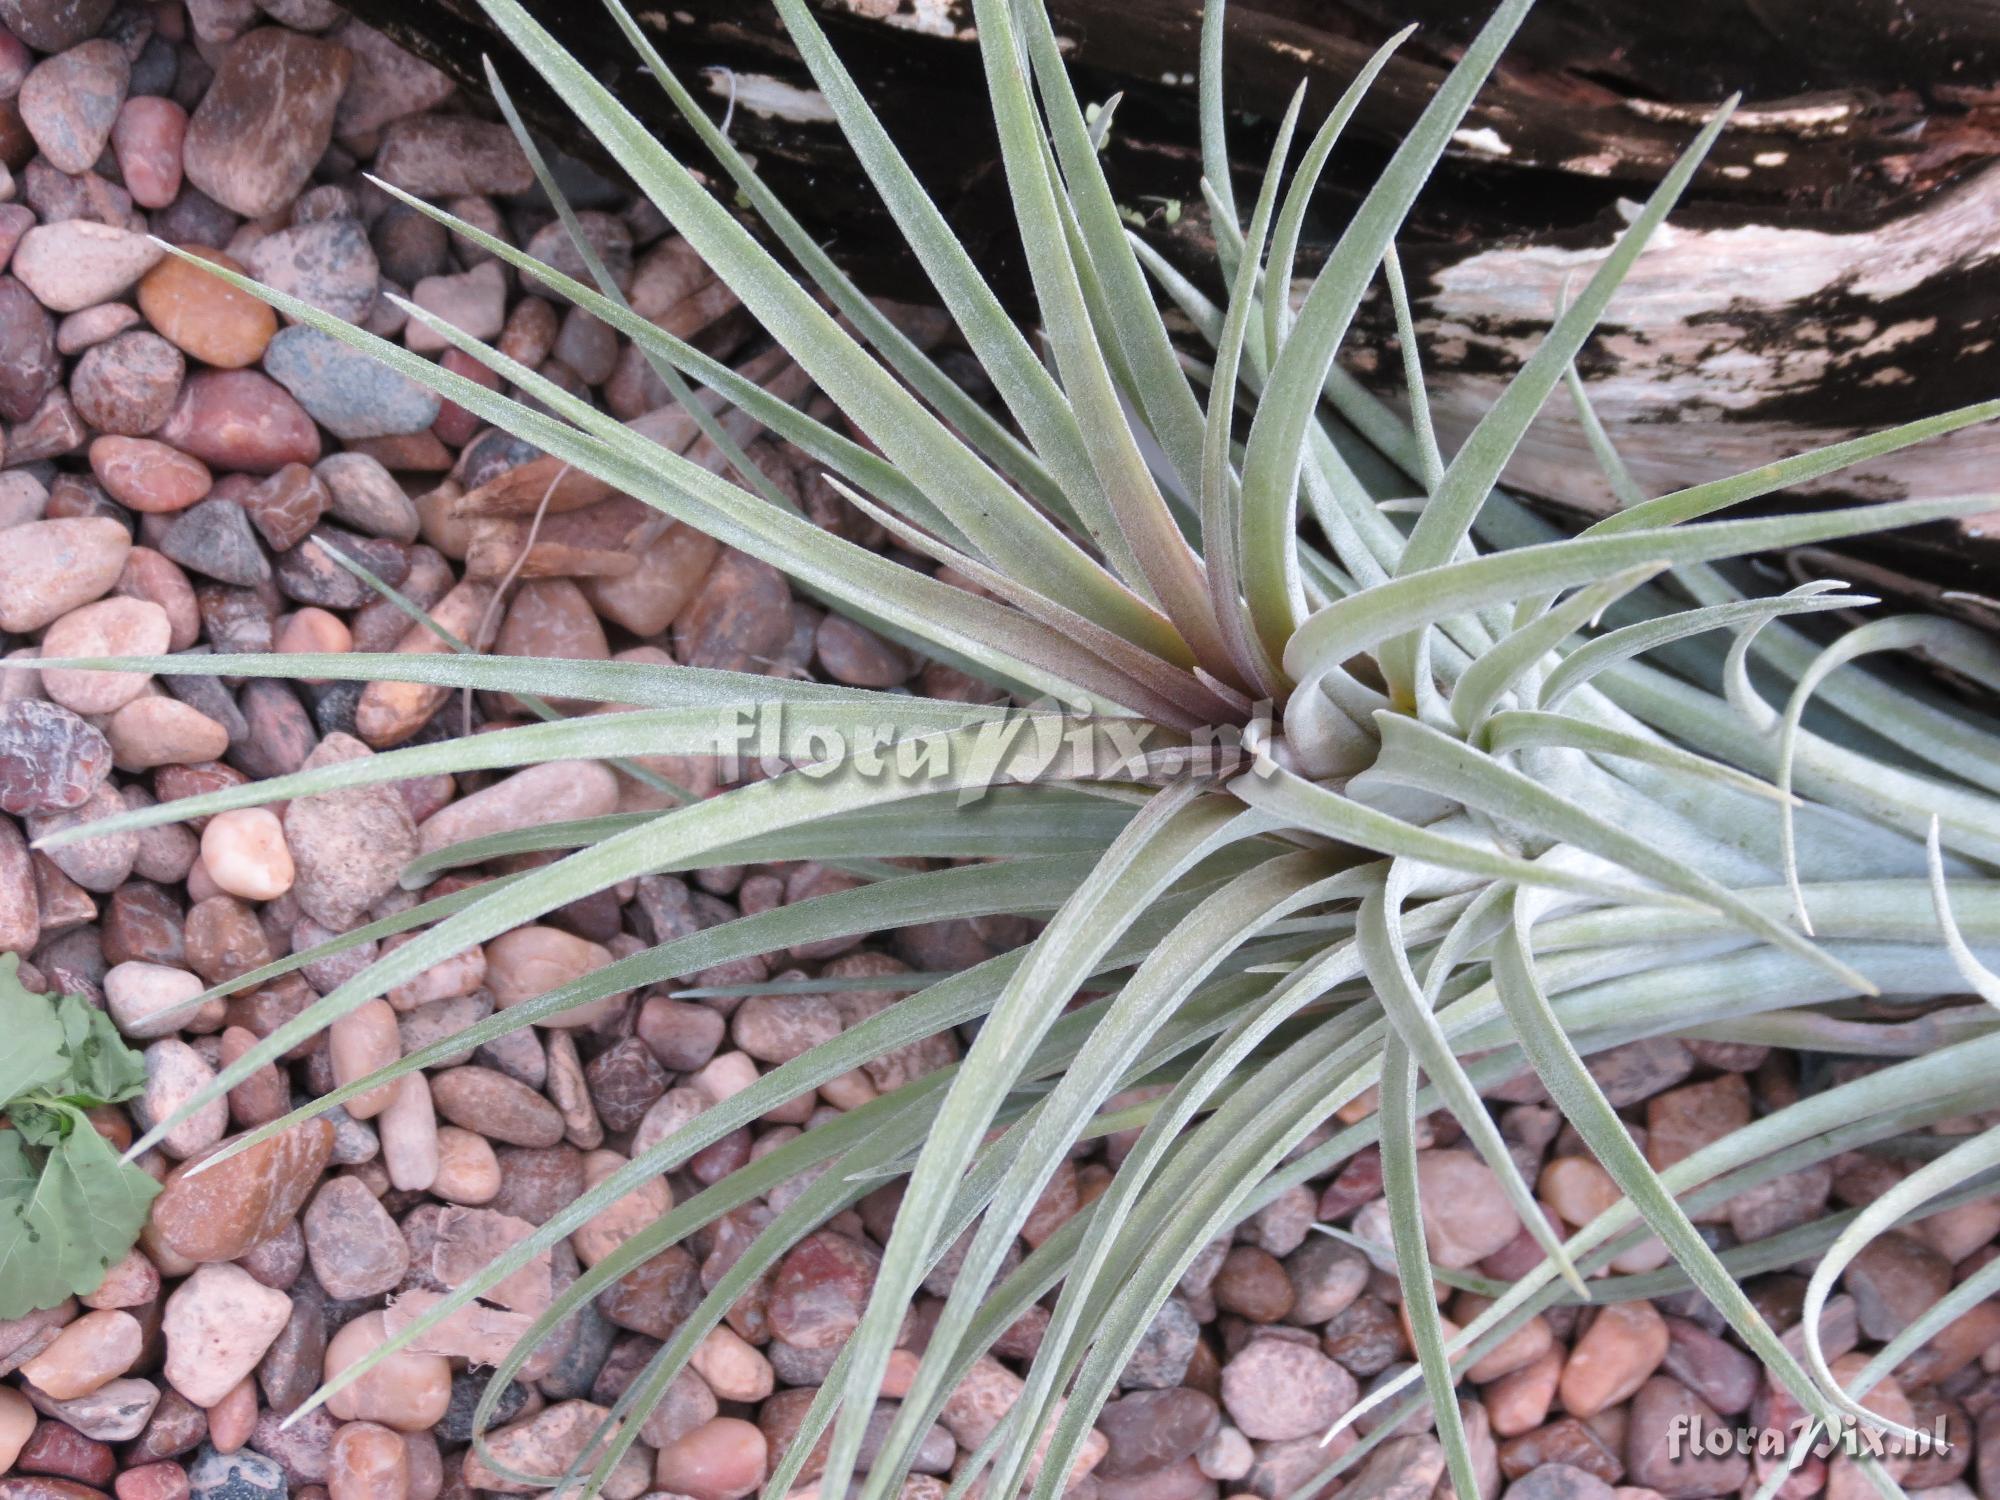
1832, 270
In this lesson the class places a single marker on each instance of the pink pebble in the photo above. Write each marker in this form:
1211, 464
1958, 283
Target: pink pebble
146, 138
241, 419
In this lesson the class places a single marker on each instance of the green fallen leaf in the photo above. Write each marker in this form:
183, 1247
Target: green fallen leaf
34, 1056
68, 1207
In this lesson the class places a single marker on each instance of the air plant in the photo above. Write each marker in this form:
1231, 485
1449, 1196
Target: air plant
1496, 798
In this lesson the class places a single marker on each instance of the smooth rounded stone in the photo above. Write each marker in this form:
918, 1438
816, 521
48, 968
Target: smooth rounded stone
313, 631
85, 330
242, 1475
146, 138
474, 302
218, 1323
213, 538
366, 496
95, 1349
328, 263
409, 245
819, 1290
1148, 1430
246, 855
732, 1367
368, 1462
1326, 1276
1164, 1350
145, 998
564, 1084
447, 156
536, 1183
127, 384
723, 1459
1252, 1284
70, 101
119, 626
359, 1043
546, 1443
1466, 1213
59, 1450
54, 431
650, 598
778, 1028
855, 655
782, 1418
1710, 1366
554, 792
262, 1097
406, 1391
624, 1080
20, 900
453, 978
175, 1073
349, 845
23, 498
587, 344
983, 1398
221, 1213
1894, 1280
1658, 1454
50, 568
624, 1216
76, 264
56, 197
115, 1412
1624, 1344
530, 961
388, 82
158, 579
1559, 1483
519, 1054
740, 618
496, 1106
409, 1135
468, 1172
52, 25
204, 316
440, 1020
346, 391
606, 234
132, 1281
1683, 1120
223, 936
304, 1450
177, 1426
390, 712
467, 1387
353, 1244
151, 477
1276, 1389
550, 617
155, 1481
240, 419
290, 1369
266, 119
100, 863
29, 366
279, 731
149, 732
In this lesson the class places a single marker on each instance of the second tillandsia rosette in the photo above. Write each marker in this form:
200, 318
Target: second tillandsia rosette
1330, 773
